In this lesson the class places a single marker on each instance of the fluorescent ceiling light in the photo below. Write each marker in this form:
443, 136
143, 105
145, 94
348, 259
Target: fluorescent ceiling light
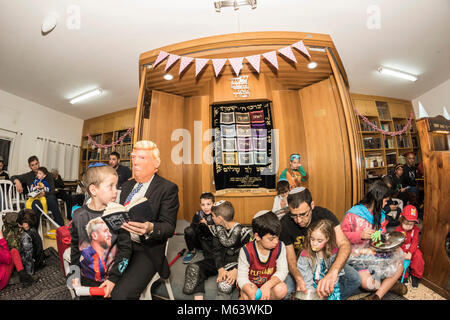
87, 95
168, 76
312, 65
396, 73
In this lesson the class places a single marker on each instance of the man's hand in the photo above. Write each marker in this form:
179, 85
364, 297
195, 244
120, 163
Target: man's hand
301, 285
222, 275
139, 228
232, 276
367, 233
326, 285
109, 286
18, 186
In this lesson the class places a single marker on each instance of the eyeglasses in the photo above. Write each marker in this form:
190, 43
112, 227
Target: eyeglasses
300, 215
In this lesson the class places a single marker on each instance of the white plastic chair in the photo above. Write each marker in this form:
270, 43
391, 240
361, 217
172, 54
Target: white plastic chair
8, 202
66, 261
147, 294
45, 215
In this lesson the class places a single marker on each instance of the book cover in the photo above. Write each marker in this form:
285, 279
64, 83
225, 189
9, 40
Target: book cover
116, 214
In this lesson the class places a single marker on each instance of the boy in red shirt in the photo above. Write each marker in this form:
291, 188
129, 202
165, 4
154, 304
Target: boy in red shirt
410, 247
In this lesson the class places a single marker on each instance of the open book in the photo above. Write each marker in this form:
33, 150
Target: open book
116, 214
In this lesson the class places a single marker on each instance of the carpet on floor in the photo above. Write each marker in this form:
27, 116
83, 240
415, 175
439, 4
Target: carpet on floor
50, 286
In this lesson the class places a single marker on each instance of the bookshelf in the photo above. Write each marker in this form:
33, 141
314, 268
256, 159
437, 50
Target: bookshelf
380, 153
104, 130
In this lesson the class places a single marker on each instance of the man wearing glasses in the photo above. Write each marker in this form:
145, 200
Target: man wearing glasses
294, 227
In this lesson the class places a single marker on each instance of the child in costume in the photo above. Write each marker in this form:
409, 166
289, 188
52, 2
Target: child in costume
101, 254
40, 184
408, 226
198, 231
379, 272
295, 174
318, 255
262, 262
222, 259
280, 205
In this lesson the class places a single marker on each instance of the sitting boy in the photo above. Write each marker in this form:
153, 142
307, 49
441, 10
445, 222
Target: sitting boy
262, 262
198, 232
222, 259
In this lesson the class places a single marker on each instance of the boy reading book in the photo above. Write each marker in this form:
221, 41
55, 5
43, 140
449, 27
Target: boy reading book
116, 214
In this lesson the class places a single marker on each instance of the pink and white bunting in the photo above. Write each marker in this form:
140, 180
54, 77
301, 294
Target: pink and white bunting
161, 56
199, 65
272, 58
254, 61
218, 65
287, 52
300, 46
236, 63
185, 61
172, 59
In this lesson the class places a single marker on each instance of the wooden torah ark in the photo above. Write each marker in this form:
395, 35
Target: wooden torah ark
311, 110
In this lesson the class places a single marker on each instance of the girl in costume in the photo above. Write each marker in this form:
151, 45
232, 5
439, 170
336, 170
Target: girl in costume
295, 174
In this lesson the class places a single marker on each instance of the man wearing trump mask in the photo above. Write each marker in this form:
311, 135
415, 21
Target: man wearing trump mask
152, 222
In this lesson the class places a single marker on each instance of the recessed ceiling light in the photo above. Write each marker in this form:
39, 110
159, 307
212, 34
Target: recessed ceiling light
312, 65
397, 73
87, 95
168, 76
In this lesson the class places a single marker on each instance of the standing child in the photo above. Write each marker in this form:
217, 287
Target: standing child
101, 255
295, 174
40, 185
262, 262
410, 247
280, 204
31, 252
197, 234
318, 255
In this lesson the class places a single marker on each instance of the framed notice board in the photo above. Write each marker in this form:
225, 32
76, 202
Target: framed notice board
243, 145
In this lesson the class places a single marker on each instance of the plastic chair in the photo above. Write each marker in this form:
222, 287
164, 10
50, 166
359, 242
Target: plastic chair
9, 199
147, 294
66, 261
45, 215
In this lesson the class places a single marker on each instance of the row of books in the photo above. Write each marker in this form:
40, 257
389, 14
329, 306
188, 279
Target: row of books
402, 142
373, 161
372, 143
391, 159
366, 127
389, 143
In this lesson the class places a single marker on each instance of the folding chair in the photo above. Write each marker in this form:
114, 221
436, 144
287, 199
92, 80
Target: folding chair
147, 294
45, 215
8, 202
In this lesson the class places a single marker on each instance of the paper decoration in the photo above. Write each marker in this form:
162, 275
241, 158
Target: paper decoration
185, 61
287, 52
199, 65
422, 112
272, 58
172, 59
161, 56
218, 65
254, 61
300, 46
236, 63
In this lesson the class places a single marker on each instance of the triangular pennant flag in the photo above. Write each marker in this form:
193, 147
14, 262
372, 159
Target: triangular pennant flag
272, 58
422, 112
287, 52
161, 56
172, 59
300, 46
218, 65
254, 61
236, 63
199, 65
185, 61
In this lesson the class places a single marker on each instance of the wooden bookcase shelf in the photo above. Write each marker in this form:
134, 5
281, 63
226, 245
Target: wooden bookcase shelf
382, 152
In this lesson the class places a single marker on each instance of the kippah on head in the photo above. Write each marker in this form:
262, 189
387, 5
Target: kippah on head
97, 164
260, 213
218, 203
296, 190
295, 156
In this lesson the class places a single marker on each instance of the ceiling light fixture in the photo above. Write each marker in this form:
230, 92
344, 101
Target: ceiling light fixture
168, 76
236, 4
312, 65
87, 95
397, 73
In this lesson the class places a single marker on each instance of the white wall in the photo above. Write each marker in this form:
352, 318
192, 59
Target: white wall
35, 120
434, 100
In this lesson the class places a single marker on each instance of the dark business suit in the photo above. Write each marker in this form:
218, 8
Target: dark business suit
148, 257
